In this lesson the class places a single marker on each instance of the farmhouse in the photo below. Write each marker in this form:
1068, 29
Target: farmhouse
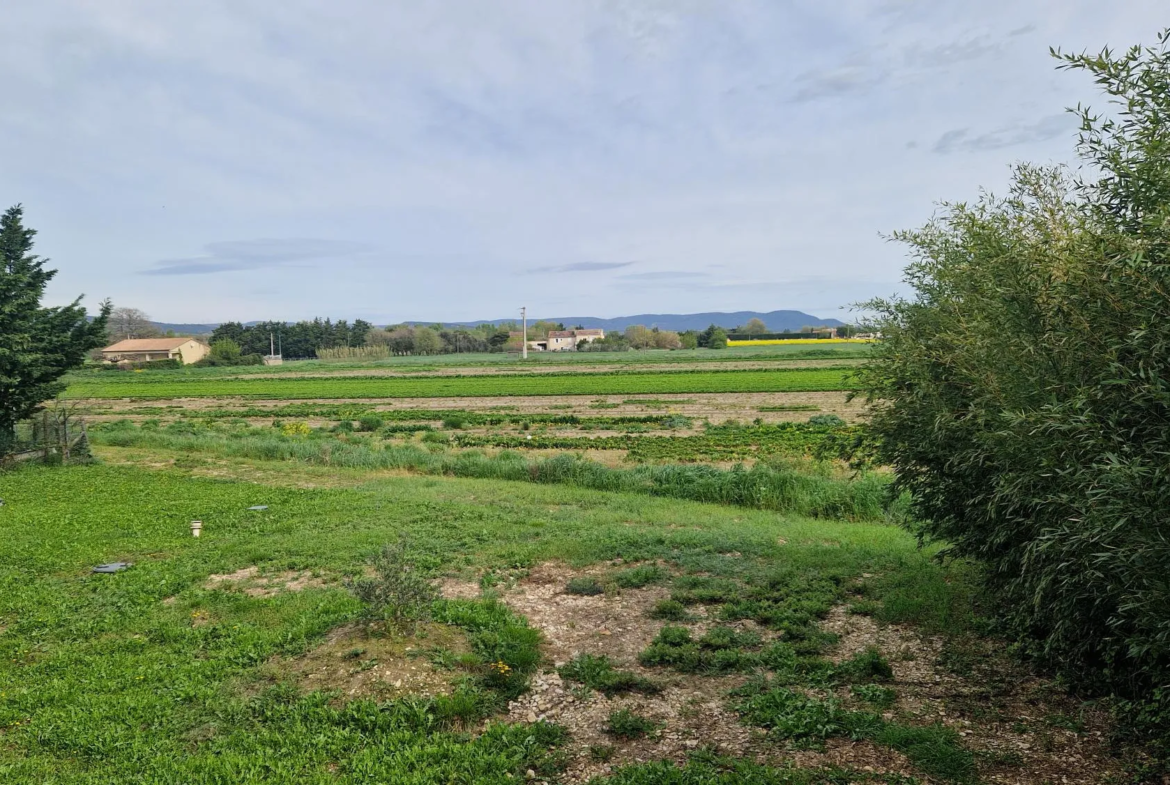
565, 340
185, 350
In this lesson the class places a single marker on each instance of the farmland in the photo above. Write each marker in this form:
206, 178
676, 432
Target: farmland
644, 577
159, 385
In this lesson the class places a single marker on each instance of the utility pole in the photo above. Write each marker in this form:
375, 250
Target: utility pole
271, 345
524, 335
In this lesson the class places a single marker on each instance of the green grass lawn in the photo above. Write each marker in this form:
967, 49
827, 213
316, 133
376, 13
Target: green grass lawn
158, 385
103, 678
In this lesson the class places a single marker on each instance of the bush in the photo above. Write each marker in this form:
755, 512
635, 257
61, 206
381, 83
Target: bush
398, 593
1021, 395
369, 423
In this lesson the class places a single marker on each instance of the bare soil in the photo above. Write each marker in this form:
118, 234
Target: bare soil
717, 407
359, 661
252, 582
1008, 721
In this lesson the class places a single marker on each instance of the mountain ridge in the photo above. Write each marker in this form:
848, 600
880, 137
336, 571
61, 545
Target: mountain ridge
777, 321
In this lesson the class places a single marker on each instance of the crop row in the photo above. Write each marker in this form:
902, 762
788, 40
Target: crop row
780, 380
357, 411
718, 444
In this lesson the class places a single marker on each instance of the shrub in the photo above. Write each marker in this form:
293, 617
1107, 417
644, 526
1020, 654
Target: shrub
295, 429
369, 423
398, 593
455, 422
1021, 395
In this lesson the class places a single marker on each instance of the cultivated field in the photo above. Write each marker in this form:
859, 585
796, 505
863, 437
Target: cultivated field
645, 575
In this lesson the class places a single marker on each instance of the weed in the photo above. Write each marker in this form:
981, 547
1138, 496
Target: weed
669, 610
601, 753
719, 651
640, 576
935, 749
584, 587
625, 724
877, 696
598, 673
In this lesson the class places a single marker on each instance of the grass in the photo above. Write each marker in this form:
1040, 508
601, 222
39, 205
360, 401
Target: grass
101, 680
162, 385
774, 487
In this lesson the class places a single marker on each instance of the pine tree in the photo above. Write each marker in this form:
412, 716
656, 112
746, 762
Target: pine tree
37, 345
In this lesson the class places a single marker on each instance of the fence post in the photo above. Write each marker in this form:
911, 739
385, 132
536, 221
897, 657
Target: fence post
45, 433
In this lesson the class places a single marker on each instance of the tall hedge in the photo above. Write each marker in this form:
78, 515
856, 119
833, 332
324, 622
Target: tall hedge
1023, 393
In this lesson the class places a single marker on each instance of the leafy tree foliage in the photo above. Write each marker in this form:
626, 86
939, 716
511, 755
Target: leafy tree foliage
37, 345
1023, 394
301, 339
754, 326
712, 338
225, 351
426, 341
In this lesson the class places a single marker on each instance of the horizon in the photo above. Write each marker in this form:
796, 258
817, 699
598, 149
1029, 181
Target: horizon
741, 316
220, 163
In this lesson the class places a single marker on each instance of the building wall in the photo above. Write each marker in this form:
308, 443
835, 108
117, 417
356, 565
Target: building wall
192, 351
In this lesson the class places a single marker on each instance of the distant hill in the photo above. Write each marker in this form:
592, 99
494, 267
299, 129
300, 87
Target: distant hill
186, 329
777, 321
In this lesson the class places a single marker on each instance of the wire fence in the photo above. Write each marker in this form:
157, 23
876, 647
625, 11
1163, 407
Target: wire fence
52, 436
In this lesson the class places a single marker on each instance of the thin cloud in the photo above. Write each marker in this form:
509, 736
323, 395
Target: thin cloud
235, 255
581, 267
1023, 30
949, 54
662, 275
840, 81
960, 140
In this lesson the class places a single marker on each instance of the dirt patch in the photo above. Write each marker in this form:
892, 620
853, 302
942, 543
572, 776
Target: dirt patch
359, 662
1021, 728
717, 407
253, 583
690, 710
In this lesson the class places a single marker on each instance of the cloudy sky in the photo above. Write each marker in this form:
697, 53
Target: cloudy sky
208, 160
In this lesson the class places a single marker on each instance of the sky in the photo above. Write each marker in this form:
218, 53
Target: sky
213, 160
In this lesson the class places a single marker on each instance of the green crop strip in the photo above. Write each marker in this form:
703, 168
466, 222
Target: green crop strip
161, 386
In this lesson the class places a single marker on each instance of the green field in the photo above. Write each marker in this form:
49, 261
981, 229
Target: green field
688, 570
160, 385
567, 359
152, 676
